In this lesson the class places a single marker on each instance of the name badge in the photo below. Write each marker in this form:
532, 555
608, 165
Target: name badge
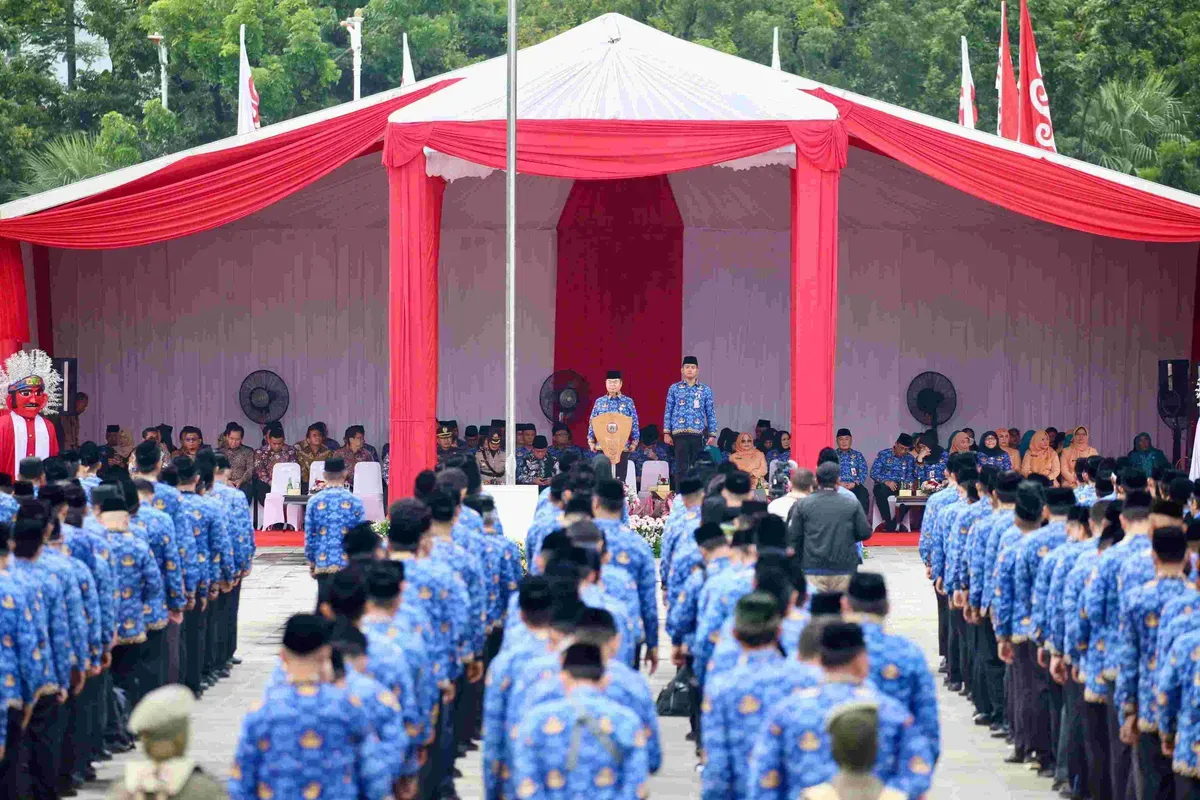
696, 403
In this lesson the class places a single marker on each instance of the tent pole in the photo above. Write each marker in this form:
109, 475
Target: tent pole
510, 258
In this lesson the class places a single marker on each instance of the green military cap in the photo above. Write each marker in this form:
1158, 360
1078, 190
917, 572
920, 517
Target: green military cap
757, 614
853, 731
164, 713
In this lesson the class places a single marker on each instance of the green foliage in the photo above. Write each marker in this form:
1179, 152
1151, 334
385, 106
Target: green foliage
1123, 78
118, 144
66, 159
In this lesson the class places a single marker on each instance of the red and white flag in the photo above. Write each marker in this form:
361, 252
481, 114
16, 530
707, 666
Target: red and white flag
247, 96
1006, 85
968, 112
1033, 107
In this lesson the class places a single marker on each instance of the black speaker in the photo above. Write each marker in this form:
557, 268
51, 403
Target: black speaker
1176, 400
68, 370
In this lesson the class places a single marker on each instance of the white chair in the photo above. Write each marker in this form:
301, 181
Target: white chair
274, 511
651, 472
631, 476
368, 487
316, 472
877, 518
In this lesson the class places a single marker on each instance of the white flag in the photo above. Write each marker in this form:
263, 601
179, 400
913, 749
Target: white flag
968, 113
247, 96
407, 77
775, 51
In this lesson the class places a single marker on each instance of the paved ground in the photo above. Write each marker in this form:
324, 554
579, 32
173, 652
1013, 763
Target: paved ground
280, 585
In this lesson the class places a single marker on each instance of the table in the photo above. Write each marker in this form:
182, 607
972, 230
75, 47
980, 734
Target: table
295, 500
912, 501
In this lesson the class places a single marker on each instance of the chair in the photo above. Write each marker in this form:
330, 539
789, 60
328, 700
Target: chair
651, 472
368, 487
274, 511
316, 472
631, 476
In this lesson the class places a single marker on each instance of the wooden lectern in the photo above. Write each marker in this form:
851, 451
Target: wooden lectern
612, 434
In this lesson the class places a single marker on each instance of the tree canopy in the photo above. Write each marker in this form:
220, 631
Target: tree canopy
1123, 78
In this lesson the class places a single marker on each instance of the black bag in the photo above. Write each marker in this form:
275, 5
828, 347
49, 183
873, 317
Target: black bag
675, 700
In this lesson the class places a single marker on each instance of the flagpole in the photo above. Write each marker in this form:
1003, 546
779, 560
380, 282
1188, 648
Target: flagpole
510, 258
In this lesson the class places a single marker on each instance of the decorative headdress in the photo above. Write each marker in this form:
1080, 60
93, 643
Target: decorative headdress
29, 367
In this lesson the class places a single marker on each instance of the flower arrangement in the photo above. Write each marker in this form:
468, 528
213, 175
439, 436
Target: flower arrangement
650, 529
380, 528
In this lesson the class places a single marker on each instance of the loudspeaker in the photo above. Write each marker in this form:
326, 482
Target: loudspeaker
68, 370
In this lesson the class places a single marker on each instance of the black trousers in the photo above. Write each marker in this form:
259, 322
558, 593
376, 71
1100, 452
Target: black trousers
1052, 712
127, 668
687, 450
1024, 696
1120, 758
1073, 752
943, 607
152, 664
235, 605
1157, 776
954, 645
990, 668
1096, 752
195, 633
882, 492
36, 776
1186, 788
12, 755
864, 498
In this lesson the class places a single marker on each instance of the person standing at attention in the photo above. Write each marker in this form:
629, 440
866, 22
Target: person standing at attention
690, 421
823, 531
615, 402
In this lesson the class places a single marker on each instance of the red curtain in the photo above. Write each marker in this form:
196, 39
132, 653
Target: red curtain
1019, 181
814, 308
14, 307
414, 233
619, 296
594, 149
41, 298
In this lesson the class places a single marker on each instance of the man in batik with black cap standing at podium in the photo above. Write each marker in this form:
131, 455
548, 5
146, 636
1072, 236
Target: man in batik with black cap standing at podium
689, 420
614, 402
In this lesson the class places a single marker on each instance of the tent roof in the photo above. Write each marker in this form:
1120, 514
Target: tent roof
616, 68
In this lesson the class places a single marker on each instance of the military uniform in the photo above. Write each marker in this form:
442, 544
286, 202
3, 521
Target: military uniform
329, 514
584, 745
792, 751
732, 712
308, 740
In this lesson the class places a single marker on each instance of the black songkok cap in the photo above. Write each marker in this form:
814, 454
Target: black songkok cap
1060, 498
112, 429
613, 375
904, 440
738, 482
335, 465
743, 537
147, 455
1138, 499
751, 507
772, 531
824, 603
560, 426
1167, 509
453, 423
540, 443
534, 594
472, 431
1007, 482
52, 495
690, 360
1193, 531
708, 532
649, 434
496, 424
610, 489
712, 510
109, 497
1030, 502
1080, 514
763, 423
586, 656
756, 613
305, 633
185, 468
383, 580
690, 484
867, 587
842, 432
842, 637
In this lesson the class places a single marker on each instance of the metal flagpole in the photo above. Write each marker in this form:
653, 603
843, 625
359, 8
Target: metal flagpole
510, 259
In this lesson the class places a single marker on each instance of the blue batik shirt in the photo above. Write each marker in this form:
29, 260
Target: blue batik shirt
239, 525
430, 584
1077, 628
1085, 495
1177, 619
793, 752
732, 712
947, 521
933, 470
690, 409
679, 525
619, 405
60, 566
1056, 611
853, 465
9, 506
92, 550
630, 552
717, 601
1137, 663
22, 677
1101, 603
1004, 595
933, 508
409, 630
1003, 462
1041, 602
1178, 702
383, 709
1033, 550
498, 685
890, 467
330, 513
466, 568
138, 584
1001, 521
959, 543
89, 596
683, 615
898, 669
88, 483
159, 532
308, 740
53, 658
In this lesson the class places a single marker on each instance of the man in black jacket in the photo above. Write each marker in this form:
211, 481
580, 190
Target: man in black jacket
823, 529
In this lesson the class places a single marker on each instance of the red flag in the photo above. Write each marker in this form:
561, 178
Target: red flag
1033, 106
968, 112
1006, 86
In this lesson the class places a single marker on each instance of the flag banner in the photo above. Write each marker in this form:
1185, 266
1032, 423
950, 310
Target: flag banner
1006, 85
247, 96
1033, 107
968, 112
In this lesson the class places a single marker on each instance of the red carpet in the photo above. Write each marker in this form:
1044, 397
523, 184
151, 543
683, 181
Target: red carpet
279, 538
882, 539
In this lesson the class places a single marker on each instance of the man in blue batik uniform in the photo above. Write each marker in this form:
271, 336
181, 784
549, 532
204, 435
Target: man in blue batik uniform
199, 522
584, 745
615, 402
19, 672
306, 738
853, 464
629, 552
793, 752
892, 467
329, 514
689, 418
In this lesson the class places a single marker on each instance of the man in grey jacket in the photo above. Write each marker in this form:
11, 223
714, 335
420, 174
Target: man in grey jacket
823, 530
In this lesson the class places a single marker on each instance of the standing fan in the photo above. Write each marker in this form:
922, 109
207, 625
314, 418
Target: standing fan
563, 396
932, 399
1176, 401
263, 396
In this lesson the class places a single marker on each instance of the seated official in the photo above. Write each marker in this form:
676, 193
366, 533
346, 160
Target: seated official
311, 449
446, 448
893, 467
853, 476
562, 443
1040, 458
240, 455
354, 451
490, 460
471, 440
537, 467
458, 440
330, 443
526, 433
276, 451
932, 459
750, 459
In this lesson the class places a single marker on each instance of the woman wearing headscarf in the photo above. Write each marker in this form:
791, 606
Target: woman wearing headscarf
725, 443
748, 458
1079, 447
931, 458
766, 442
1040, 458
783, 448
990, 452
1145, 456
1007, 442
1026, 438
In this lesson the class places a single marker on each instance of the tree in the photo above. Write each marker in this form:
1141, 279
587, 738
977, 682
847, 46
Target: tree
1131, 119
66, 159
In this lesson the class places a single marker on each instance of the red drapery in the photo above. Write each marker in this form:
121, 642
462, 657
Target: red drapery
1017, 181
14, 308
414, 233
619, 296
41, 297
606, 149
